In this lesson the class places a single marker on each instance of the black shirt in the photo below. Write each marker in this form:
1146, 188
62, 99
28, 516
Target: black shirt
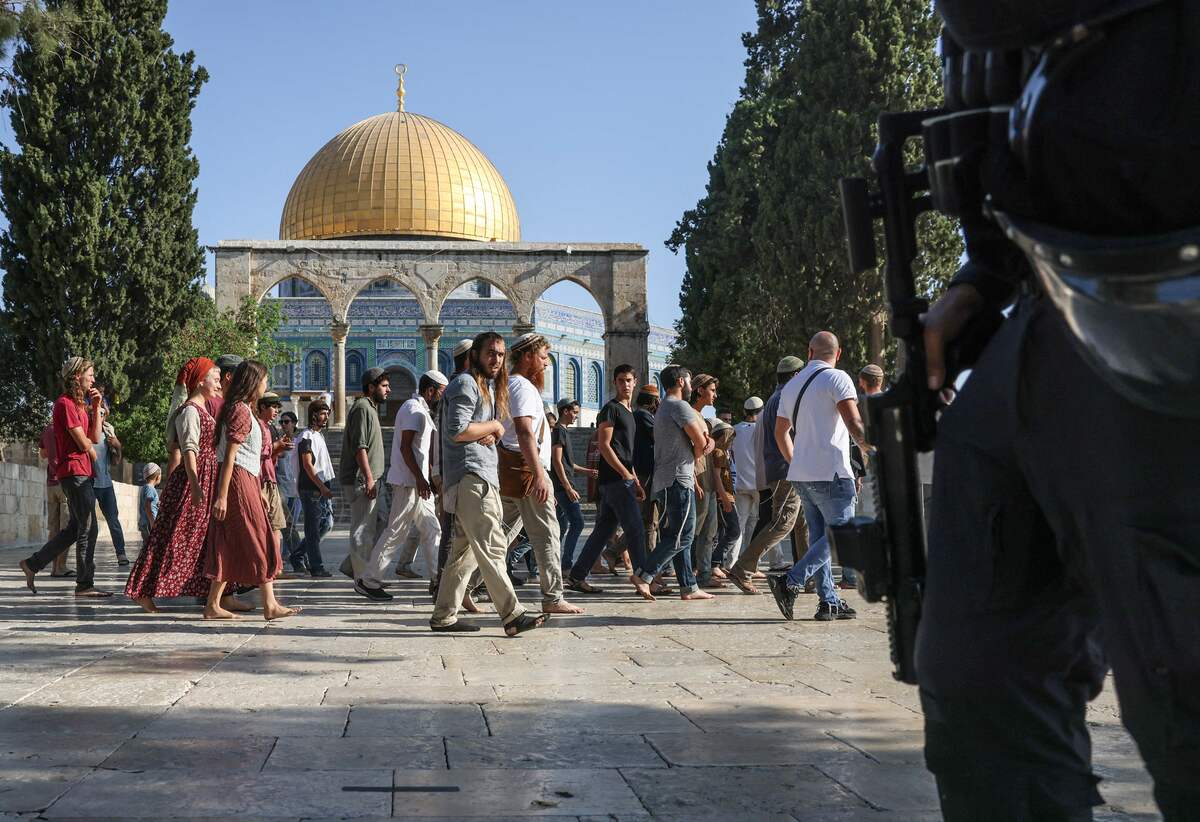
303, 483
643, 445
561, 436
621, 419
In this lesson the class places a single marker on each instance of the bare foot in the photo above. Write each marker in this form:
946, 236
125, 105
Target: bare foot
218, 613
562, 607
642, 587
92, 593
469, 605
29, 575
232, 603
696, 595
279, 612
147, 604
719, 573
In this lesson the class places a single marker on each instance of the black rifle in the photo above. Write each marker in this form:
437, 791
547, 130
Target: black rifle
889, 551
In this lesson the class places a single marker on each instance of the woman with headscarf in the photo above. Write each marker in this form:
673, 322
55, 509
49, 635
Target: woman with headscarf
172, 560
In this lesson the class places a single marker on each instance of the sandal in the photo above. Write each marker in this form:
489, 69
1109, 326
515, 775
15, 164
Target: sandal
524, 623
70, 572
583, 587
455, 628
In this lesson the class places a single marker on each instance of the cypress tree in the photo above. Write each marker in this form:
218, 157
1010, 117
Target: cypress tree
100, 256
818, 75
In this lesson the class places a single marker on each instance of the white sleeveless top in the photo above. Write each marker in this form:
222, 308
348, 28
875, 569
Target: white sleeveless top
249, 453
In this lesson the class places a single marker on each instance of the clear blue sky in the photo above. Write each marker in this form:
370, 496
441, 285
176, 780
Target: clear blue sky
600, 116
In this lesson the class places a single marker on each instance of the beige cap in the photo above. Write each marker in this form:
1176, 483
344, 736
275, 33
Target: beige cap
753, 404
789, 364
872, 370
461, 348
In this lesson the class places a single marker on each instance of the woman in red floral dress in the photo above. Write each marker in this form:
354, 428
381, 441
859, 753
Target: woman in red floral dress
171, 563
241, 546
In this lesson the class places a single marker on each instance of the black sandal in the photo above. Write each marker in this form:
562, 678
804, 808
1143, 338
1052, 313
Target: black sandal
455, 628
525, 622
581, 587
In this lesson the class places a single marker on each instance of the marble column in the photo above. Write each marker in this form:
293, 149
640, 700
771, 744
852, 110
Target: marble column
432, 334
520, 328
339, 331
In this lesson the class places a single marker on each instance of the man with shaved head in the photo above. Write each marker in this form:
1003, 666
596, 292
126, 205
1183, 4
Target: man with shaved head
817, 416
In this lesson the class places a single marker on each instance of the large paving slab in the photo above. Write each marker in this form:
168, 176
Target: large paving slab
668, 711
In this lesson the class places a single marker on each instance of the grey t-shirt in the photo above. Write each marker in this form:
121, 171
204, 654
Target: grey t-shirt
674, 460
462, 404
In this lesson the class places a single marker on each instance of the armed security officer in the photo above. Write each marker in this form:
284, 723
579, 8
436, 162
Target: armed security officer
1064, 531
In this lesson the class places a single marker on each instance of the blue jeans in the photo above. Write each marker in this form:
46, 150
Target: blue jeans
728, 535
106, 499
618, 506
570, 525
315, 509
825, 504
676, 529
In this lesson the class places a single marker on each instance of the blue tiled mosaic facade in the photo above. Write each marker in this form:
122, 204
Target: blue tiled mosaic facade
384, 331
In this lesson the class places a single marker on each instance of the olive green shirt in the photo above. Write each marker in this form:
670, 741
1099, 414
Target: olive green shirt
362, 431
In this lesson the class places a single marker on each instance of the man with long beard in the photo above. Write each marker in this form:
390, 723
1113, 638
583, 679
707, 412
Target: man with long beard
473, 402
525, 465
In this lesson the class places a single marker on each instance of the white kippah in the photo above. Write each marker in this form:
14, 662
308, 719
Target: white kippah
437, 376
462, 347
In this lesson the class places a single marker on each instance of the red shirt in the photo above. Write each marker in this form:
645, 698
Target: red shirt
47, 444
213, 406
268, 464
73, 461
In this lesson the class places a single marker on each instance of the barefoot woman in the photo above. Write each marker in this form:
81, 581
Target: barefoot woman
172, 562
241, 547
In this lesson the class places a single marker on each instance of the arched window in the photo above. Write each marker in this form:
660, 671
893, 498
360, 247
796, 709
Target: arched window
445, 362
551, 378
316, 371
354, 371
281, 375
595, 377
570, 381
658, 383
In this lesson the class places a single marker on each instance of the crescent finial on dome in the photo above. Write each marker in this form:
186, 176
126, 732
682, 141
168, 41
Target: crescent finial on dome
400, 70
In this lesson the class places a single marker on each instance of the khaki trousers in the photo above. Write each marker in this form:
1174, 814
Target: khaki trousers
786, 513
478, 543
362, 528
541, 526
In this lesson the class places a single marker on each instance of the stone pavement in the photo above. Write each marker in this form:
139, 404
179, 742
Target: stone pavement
667, 710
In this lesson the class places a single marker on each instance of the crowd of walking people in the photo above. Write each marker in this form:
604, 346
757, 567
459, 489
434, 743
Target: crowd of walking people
482, 474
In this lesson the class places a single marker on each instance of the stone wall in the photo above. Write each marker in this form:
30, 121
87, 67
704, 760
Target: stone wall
22, 504
23, 508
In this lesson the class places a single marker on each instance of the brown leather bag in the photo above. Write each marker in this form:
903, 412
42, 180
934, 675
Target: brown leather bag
516, 478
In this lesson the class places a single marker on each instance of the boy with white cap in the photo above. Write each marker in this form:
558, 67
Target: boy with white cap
412, 488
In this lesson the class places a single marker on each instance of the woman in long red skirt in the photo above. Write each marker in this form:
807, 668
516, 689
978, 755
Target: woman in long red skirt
241, 547
171, 563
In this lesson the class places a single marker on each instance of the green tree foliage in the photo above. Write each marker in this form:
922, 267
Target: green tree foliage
24, 408
248, 332
765, 247
100, 257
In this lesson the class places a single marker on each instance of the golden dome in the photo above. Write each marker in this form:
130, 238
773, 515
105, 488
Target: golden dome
399, 174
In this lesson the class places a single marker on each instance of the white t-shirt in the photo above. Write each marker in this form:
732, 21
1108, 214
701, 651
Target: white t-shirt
322, 465
413, 416
525, 401
744, 456
821, 449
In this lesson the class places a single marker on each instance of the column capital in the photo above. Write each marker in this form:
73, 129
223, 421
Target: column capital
520, 328
432, 333
339, 331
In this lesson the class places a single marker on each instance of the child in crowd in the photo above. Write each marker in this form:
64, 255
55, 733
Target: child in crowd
148, 499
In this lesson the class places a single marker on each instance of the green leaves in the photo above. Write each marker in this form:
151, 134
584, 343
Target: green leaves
765, 249
100, 257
